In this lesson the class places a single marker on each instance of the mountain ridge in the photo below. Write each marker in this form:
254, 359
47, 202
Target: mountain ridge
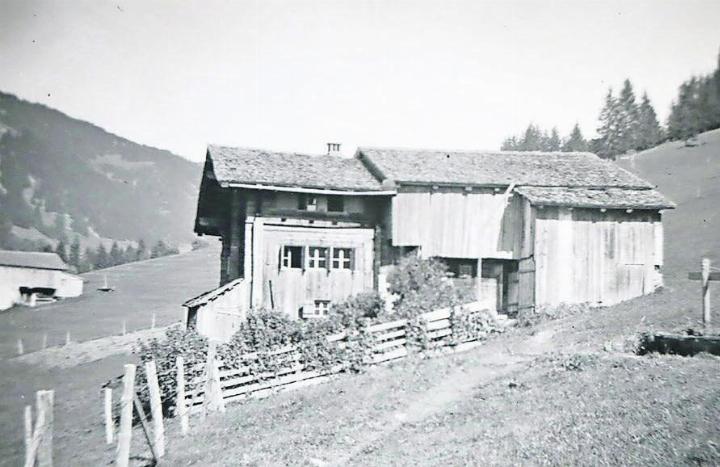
65, 177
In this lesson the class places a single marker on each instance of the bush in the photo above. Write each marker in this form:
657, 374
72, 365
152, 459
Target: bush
421, 285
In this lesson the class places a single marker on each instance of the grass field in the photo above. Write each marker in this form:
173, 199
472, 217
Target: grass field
154, 286
580, 396
565, 392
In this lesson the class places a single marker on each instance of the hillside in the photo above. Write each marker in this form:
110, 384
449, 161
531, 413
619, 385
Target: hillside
62, 175
690, 176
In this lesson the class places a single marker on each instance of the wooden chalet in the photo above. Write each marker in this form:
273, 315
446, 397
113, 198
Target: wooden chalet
522, 229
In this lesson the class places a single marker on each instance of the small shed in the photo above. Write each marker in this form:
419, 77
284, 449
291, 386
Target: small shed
31, 278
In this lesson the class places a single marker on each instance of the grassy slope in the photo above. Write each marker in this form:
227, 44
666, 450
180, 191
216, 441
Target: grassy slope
691, 178
609, 407
159, 285
142, 288
617, 409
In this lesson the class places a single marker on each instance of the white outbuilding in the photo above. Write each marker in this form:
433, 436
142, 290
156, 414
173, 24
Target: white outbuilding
31, 278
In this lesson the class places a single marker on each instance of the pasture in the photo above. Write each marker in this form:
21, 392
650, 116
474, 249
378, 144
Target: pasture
565, 391
153, 286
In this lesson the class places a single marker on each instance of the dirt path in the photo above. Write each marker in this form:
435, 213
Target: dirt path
499, 361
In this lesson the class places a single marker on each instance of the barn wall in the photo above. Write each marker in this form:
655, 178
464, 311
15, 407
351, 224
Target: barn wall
290, 289
69, 285
455, 223
585, 255
12, 278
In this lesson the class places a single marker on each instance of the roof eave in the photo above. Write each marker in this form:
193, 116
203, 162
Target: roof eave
312, 190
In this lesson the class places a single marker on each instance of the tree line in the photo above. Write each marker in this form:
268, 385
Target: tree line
627, 125
100, 258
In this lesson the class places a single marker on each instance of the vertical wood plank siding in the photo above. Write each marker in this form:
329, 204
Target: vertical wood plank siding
585, 255
294, 288
455, 223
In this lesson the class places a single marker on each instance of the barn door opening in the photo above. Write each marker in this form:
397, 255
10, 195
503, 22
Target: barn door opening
499, 284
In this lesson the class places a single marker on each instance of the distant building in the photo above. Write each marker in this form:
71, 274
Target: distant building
30, 278
521, 229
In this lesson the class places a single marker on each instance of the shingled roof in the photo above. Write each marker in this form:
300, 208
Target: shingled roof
609, 198
32, 259
500, 168
246, 166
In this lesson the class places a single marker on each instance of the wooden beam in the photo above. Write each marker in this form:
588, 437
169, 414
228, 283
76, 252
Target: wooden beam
233, 261
697, 276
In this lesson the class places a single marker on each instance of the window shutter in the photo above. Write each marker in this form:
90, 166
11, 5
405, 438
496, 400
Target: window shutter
352, 258
280, 257
303, 250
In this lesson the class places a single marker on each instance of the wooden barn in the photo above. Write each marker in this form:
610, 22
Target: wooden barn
522, 229
31, 278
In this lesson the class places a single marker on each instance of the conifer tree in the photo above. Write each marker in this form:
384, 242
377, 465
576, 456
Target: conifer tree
61, 251
75, 255
627, 115
554, 142
116, 254
609, 140
650, 132
142, 252
575, 142
102, 258
532, 139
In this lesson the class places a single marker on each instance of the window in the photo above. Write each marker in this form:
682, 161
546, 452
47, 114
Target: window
322, 307
465, 270
316, 309
342, 258
335, 204
317, 257
291, 257
307, 202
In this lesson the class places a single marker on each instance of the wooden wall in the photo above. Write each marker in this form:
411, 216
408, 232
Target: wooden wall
602, 258
455, 223
294, 288
219, 319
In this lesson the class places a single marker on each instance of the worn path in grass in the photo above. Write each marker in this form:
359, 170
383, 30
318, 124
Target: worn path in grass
499, 361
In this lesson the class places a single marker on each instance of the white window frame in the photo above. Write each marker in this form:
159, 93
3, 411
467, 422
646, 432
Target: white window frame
341, 261
321, 307
314, 260
286, 256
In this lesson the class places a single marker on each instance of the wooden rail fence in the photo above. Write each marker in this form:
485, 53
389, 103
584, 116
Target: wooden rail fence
389, 341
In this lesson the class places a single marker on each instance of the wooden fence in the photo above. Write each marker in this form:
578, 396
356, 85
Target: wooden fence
389, 341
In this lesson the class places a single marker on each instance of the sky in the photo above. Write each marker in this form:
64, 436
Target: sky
294, 75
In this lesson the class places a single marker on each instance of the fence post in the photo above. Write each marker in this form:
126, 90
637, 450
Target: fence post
212, 400
28, 430
707, 316
67, 338
152, 324
124, 327
181, 404
45, 400
156, 408
109, 424
21, 348
41, 448
44, 341
126, 417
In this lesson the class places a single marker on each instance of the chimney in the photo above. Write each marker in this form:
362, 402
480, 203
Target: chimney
333, 149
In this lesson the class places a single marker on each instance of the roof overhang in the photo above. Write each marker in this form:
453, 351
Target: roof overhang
318, 191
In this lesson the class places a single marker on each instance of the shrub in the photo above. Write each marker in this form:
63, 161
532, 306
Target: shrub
421, 285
